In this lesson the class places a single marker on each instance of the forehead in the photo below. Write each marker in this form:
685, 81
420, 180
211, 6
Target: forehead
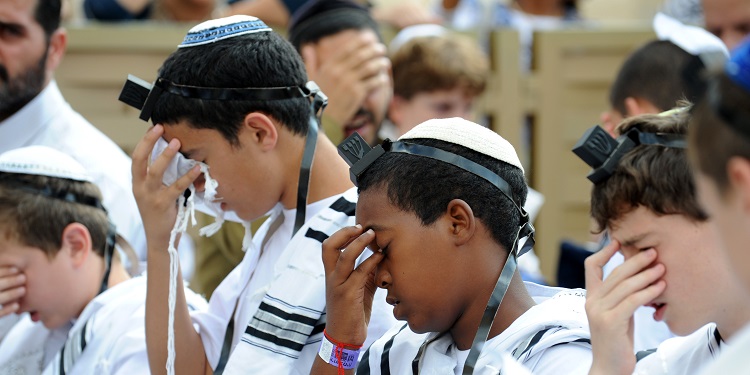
14, 253
192, 139
719, 12
455, 94
633, 224
373, 206
18, 11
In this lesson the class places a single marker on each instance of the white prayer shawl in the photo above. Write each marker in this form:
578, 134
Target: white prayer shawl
283, 335
115, 338
551, 338
683, 355
28, 347
733, 358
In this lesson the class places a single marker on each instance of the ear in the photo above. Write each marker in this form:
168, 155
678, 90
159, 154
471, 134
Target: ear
639, 106
462, 222
57, 44
608, 122
738, 173
76, 243
260, 129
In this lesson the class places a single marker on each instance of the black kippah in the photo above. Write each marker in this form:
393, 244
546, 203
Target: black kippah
320, 18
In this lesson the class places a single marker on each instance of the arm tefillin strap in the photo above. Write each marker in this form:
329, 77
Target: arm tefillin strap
359, 156
603, 153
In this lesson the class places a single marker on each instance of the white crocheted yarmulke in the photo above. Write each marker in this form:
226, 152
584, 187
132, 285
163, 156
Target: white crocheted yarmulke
468, 134
222, 28
692, 39
416, 31
42, 161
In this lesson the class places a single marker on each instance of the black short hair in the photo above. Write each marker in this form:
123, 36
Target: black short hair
656, 72
261, 59
321, 18
425, 186
48, 14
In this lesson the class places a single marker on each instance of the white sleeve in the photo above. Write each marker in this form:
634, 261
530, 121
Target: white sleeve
211, 323
569, 359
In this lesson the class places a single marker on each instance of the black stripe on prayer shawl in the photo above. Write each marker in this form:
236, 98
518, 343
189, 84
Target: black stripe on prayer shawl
344, 206
385, 359
644, 353
364, 366
534, 340
316, 235
287, 315
294, 345
318, 329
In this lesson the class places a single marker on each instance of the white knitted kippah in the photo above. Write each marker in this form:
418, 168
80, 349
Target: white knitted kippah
692, 39
416, 31
465, 133
222, 28
42, 161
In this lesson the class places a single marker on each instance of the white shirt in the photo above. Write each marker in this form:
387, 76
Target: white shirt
683, 355
48, 120
116, 338
733, 358
563, 346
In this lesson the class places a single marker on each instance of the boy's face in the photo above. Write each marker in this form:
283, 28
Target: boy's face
730, 222
249, 179
408, 113
421, 271
49, 285
688, 251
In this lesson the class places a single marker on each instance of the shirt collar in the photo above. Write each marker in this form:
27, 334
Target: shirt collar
23, 126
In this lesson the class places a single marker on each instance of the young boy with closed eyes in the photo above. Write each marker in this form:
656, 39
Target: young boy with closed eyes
440, 207
673, 261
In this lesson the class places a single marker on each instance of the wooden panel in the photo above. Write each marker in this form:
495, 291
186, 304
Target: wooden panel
97, 62
573, 71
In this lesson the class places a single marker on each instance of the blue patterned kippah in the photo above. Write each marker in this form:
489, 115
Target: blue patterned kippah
223, 28
738, 66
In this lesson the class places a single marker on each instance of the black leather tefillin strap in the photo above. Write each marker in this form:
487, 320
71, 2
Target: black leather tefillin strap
603, 153
359, 155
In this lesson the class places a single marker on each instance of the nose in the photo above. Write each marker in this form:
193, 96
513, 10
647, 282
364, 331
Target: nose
382, 277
